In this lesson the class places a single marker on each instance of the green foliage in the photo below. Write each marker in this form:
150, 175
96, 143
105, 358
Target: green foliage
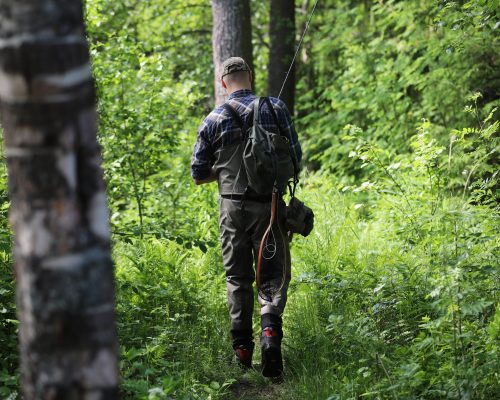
8, 320
383, 66
150, 104
395, 293
172, 322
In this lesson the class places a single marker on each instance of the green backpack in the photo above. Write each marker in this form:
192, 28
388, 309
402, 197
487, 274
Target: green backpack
267, 156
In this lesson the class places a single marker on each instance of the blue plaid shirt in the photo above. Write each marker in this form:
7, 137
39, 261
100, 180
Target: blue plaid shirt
220, 124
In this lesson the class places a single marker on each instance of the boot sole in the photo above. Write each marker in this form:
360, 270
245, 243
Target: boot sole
272, 365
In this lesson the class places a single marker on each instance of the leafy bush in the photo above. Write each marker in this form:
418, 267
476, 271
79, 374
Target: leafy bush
9, 367
397, 292
383, 66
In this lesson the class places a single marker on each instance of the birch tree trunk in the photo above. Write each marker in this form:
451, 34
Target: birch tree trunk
232, 37
281, 50
62, 257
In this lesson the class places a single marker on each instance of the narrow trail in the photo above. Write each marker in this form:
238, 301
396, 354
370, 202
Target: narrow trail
250, 387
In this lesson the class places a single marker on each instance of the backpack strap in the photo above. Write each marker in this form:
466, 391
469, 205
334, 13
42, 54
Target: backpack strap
237, 119
273, 112
243, 127
256, 107
234, 114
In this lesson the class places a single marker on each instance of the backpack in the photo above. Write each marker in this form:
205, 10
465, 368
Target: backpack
267, 156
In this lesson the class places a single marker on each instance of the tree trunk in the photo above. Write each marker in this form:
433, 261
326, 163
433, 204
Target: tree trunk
281, 50
62, 256
232, 37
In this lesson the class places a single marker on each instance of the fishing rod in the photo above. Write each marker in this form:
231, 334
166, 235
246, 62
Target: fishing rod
298, 48
274, 206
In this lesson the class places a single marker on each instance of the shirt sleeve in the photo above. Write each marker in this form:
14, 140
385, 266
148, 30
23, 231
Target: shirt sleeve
288, 128
203, 157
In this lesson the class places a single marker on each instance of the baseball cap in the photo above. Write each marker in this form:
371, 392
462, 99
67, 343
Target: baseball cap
234, 64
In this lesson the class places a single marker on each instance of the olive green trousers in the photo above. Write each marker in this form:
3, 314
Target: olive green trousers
242, 225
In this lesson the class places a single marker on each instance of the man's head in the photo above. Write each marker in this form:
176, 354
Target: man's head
236, 74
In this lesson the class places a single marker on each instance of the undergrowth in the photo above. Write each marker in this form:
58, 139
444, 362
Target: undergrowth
394, 294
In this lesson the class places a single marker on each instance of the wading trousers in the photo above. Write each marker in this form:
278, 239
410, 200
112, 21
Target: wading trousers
242, 225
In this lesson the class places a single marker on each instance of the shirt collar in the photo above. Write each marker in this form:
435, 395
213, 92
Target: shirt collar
240, 93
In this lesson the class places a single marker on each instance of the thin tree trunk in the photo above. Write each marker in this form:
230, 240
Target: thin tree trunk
62, 257
232, 37
281, 50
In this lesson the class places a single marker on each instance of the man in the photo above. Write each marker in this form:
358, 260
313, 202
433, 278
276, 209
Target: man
245, 215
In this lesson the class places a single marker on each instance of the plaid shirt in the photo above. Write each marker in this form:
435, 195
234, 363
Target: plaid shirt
219, 124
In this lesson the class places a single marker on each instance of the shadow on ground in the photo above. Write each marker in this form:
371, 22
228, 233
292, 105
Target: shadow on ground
253, 386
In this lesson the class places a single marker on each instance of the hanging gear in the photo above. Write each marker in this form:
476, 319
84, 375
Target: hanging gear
263, 242
268, 249
299, 217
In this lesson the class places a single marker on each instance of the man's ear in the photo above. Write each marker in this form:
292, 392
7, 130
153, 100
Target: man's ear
250, 77
223, 83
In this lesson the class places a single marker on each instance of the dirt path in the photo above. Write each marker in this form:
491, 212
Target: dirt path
252, 386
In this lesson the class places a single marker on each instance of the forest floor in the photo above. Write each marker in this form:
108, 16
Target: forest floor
248, 388
365, 311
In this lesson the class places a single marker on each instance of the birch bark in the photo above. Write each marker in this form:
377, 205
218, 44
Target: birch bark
64, 272
231, 37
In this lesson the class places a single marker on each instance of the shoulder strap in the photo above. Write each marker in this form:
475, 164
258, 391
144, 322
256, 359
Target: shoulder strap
234, 114
256, 107
273, 112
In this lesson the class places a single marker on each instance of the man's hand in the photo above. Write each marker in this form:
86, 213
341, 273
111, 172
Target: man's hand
211, 178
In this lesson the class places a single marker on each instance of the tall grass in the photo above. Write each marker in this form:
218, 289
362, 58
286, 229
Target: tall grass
394, 295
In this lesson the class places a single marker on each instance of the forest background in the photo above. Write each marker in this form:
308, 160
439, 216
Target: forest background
395, 293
